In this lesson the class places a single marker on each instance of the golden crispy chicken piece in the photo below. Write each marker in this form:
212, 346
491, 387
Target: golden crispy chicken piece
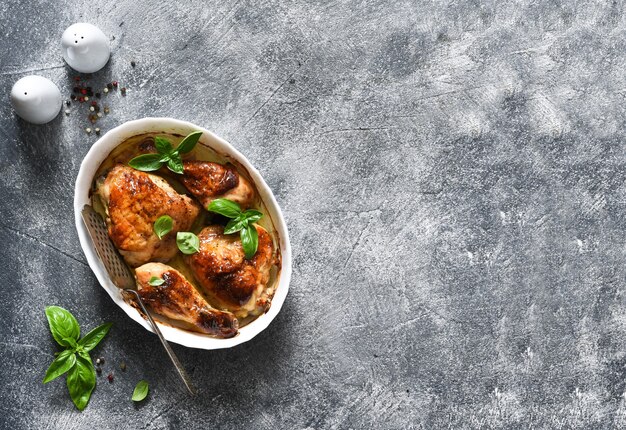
134, 200
231, 281
208, 181
177, 299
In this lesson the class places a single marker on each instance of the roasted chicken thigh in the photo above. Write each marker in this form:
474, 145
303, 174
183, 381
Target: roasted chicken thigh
133, 201
228, 279
208, 181
177, 299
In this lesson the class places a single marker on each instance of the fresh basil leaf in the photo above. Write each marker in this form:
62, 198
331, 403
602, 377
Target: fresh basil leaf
175, 164
163, 225
63, 326
234, 225
225, 207
249, 241
141, 391
91, 339
61, 364
81, 380
155, 282
252, 215
146, 162
187, 242
163, 145
189, 142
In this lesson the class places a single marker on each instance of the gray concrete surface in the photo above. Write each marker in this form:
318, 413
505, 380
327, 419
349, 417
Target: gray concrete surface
453, 177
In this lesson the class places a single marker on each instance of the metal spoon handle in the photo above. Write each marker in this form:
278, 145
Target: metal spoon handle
179, 367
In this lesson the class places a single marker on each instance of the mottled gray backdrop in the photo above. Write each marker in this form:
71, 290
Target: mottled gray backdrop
453, 175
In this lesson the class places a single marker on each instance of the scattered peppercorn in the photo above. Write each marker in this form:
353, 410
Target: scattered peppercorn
101, 360
110, 377
132, 64
81, 92
98, 370
98, 361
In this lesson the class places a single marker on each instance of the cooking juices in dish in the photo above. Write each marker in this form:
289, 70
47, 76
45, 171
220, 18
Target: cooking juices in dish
214, 288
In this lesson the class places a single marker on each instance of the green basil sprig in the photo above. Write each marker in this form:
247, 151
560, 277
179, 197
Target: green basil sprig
166, 153
155, 282
75, 359
163, 225
240, 221
141, 391
187, 242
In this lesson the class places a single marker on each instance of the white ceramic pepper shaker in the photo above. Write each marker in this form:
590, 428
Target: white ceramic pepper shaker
85, 47
36, 99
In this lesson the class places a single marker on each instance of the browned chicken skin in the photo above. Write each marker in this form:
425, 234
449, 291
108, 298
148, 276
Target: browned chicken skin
208, 181
177, 299
134, 200
234, 283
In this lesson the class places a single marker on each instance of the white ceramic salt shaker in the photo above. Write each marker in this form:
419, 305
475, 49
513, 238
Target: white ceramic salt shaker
36, 99
85, 47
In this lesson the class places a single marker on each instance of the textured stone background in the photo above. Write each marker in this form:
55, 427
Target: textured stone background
453, 175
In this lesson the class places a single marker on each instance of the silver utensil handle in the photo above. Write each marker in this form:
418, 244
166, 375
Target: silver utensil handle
179, 367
